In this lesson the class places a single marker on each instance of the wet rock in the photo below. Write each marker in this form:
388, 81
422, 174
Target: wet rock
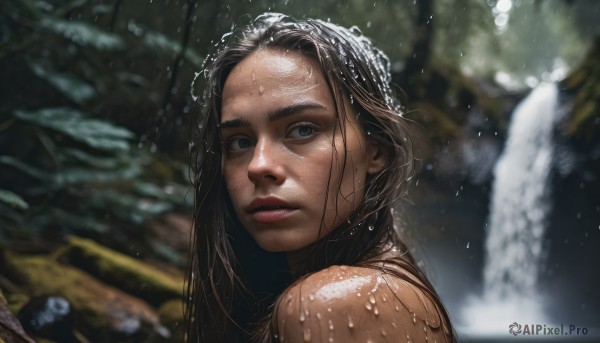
102, 313
48, 317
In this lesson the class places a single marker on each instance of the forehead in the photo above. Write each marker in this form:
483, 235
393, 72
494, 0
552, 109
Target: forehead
273, 78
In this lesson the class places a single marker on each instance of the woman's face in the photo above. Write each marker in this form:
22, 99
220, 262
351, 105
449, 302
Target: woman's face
283, 150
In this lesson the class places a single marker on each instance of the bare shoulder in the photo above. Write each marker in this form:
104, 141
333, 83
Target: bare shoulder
355, 304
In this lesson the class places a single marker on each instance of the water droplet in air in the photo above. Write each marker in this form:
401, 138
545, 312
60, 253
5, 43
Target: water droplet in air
468, 243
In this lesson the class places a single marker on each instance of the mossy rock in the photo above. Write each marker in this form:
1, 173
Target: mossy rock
171, 316
100, 309
122, 271
584, 84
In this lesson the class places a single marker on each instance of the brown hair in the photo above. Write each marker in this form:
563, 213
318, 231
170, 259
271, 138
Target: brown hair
355, 70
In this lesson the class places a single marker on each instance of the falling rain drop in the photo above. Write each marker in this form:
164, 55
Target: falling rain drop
468, 244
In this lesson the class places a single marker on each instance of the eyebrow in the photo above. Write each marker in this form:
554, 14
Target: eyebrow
278, 114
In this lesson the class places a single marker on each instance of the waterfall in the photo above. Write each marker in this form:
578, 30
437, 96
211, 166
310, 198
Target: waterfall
519, 206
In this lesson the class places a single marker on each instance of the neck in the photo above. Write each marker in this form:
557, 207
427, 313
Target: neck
297, 259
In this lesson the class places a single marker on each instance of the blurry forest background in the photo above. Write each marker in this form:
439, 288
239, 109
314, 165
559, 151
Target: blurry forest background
95, 104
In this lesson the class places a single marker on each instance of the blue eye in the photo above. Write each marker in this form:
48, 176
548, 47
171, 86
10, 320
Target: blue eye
238, 143
303, 130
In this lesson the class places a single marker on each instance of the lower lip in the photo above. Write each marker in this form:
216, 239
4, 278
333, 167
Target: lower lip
270, 216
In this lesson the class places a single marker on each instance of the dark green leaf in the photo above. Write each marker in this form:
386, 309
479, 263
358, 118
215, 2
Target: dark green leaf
67, 84
13, 199
83, 33
93, 132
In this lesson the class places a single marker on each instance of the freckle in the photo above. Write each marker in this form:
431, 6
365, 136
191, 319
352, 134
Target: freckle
372, 299
350, 322
368, 306
307, 335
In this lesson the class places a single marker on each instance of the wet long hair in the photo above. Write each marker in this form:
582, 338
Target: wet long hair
224, 293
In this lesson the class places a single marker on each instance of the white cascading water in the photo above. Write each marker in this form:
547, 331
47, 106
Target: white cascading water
519, 206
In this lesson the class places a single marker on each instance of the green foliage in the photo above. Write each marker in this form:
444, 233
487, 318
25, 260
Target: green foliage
71, 157
13, 200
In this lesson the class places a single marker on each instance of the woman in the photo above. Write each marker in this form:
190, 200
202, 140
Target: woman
301, 154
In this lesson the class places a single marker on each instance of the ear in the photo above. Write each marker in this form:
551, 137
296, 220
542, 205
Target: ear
378, 158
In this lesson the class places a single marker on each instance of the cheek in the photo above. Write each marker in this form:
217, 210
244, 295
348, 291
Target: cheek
235, 178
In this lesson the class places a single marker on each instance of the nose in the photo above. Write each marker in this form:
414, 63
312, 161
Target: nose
265, 167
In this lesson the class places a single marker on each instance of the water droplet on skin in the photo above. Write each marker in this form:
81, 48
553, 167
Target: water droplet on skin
318, 316
329, 309
384, 298
358, 295
253, 77
368, 306
307, 335
330, 325
397, 308
350, 322
302, 317
414, 318
311, 297
376, 311
261, 89
372, 299
383, 333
